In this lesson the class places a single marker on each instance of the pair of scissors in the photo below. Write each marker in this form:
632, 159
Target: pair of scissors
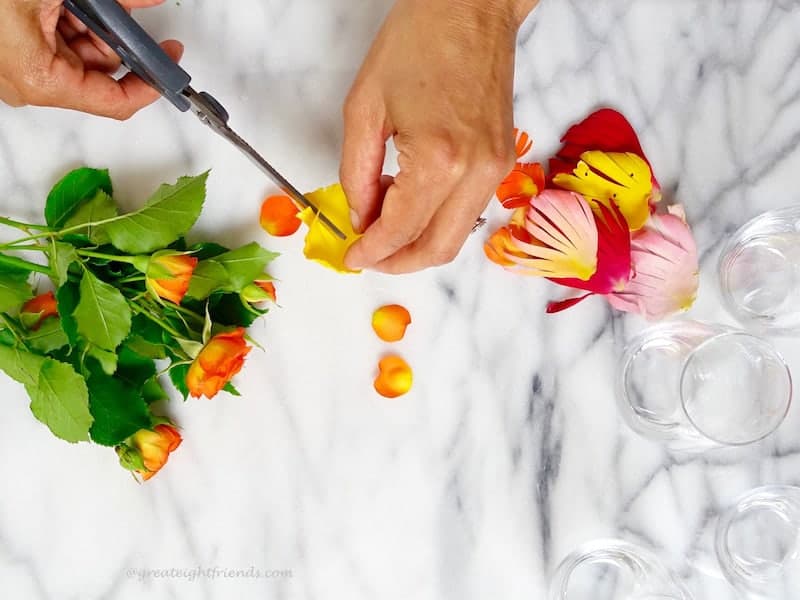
144, 57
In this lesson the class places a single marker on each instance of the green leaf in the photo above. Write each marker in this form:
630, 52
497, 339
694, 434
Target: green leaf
177, 375
133, 367
231, 310
107, 359
153, 391
20, 365
60, 400
67, 297
229, 387
245, 264
119, 410
231, 271
14, 287
62, 256
76, 187
103, 315
208, 277
88, 219
168, 215
48, 337
206, 250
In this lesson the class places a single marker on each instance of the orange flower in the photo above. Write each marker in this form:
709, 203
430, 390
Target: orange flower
268, 287
219, 360
36, 310
523, 142
390, 322
279, 216
168, 275
394, 377
154, 447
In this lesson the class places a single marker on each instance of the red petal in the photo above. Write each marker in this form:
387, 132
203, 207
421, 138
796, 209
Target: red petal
606, 130
556, 307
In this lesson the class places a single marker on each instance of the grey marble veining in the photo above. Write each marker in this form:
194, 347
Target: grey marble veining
509, 452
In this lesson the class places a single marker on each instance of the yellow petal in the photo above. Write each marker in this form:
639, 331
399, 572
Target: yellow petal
620, 177
322, 245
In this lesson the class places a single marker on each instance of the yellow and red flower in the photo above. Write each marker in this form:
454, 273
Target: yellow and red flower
216, 364
36, 310
153, 448
169, 273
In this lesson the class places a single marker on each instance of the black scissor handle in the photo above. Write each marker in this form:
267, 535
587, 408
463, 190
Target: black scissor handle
138, 51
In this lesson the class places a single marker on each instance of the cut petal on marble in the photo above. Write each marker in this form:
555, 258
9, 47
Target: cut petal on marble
390, 322
666, 270
279, 216
558, 239
321, 244
620, 178
522, 142
524, 182
394, 377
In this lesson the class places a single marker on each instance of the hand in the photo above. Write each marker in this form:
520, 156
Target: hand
439, 79
49, 58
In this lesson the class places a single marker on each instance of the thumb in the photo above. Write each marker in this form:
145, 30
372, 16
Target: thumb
363, 152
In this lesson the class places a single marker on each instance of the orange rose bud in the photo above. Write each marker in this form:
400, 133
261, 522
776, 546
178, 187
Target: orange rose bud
390, 322
155, 447
394, 377
219, 360
268, 287
36, 310
169, 274
279, 216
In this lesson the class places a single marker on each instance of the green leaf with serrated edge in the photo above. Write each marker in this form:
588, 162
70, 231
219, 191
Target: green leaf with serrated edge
208, 277
245, 264
14, 287
62, 256
48, 337
20, 365
133, 367
103, 315
69, 193
119, 410
143, 345
231, 389
105, 358
177, 375
60, 400
85, 220
167, 216
67, 297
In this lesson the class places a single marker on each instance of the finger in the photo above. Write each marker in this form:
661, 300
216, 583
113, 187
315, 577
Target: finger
68, 30
95, 54
363, 152
408, 207
97, 93
452, 224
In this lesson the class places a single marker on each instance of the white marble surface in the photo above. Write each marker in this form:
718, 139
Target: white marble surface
509, 451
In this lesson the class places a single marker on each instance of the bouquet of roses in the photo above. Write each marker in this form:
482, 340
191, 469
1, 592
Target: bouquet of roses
119, 300
596, 223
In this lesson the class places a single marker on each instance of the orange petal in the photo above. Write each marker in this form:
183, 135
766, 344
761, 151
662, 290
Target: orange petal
390, 322
522, 184
523, 142
279, 216
394, 377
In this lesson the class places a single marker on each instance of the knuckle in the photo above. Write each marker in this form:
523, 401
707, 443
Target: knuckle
447, 157
444, 255
400, 236
498, 160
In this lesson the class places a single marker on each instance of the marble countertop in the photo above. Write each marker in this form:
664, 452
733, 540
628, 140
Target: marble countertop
509, 451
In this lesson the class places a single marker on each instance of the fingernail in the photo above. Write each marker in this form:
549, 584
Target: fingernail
355, 220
